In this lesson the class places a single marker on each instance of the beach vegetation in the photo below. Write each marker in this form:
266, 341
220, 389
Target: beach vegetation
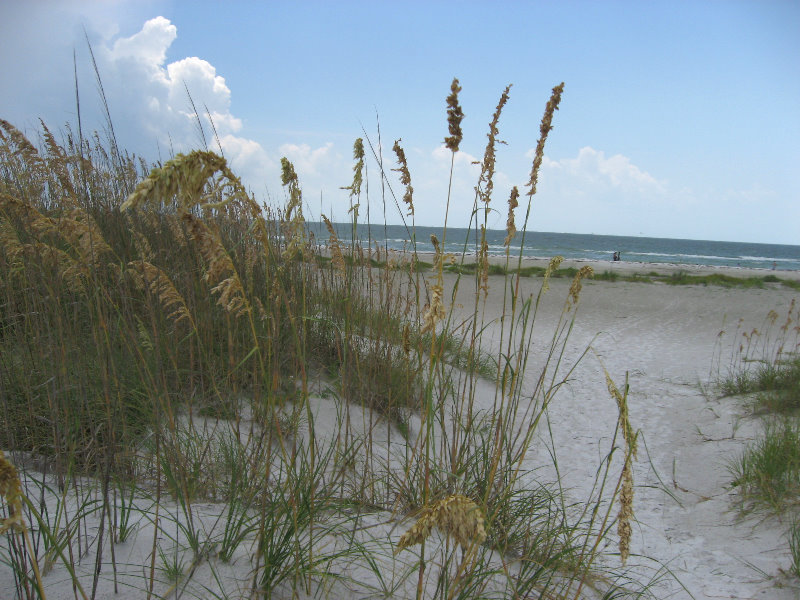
764, 368
767, 472
676, 278
186, 371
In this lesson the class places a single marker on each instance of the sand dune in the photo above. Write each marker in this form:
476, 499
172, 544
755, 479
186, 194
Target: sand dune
665, 338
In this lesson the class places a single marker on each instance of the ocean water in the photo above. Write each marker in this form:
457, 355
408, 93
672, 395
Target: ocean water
541, 244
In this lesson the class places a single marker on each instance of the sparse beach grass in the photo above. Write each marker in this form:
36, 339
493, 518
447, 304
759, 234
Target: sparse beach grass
765, 368
187, 375
678, 278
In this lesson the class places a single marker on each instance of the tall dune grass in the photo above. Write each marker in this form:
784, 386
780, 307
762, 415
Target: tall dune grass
169, 351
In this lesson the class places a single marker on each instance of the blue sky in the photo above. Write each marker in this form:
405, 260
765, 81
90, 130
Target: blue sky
679, 119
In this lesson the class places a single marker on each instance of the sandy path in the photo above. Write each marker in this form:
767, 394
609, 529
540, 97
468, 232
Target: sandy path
665, 338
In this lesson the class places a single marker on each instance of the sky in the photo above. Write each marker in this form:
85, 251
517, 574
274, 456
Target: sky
678, 119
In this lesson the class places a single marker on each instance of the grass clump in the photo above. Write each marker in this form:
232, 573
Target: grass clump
765, 366
768, 471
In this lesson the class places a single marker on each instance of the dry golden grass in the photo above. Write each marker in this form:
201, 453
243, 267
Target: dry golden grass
405, 177
160, 285
486, 179
511, 227
544, 129
335, 249
83, 234
183, 177
220, 271
454, 117
625, 514
577, 284
456, 516
11, 490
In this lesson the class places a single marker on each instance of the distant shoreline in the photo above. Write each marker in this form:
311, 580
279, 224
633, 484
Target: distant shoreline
626, 268
579, 247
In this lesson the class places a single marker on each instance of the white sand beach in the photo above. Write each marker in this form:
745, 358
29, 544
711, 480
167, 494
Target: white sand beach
666, 338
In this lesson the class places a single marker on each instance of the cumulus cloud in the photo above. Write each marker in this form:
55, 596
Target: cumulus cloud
250, 160
309, 162
156, 95
592, 193
593, 167
152, 101
148, 46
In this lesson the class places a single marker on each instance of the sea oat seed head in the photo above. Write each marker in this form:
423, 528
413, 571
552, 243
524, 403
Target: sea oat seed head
555, 262
488, 163
296, 234
575, 288
456, 516
511, 228
434, 312
337, 259
544, 128
625, 514
484, 263
288, 175
622, 406
183, 177
220, 269
454, 117
147, 275
11, 490
405, 176
406, 344
358, 173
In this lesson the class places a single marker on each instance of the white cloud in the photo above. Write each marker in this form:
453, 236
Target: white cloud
153, 93
442, 154
249, 160
594, 193
224, 121
149, 46
309, 162
148, 94
149, 102
591, 167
